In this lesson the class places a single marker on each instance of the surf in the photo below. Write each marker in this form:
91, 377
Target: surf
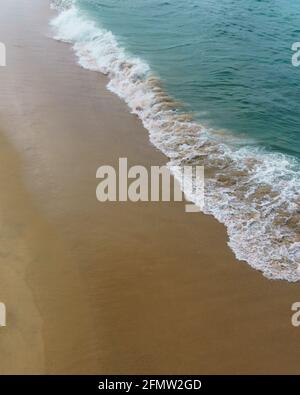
252, 191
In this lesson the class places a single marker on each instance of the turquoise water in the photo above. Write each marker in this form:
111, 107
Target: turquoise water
213, 83
229, 61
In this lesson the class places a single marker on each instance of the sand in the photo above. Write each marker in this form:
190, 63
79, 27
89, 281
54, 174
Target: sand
111, 288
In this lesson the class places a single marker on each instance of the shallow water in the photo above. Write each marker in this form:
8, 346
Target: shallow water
214, 84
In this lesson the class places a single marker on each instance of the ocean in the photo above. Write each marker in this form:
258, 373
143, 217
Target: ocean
213, 83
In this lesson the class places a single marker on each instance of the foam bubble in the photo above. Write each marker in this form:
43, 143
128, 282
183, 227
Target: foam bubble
253, 192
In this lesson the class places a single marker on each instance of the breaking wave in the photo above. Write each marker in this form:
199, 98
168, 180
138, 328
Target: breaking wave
254, 193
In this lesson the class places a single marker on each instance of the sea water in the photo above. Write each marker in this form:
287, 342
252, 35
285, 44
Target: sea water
213, 82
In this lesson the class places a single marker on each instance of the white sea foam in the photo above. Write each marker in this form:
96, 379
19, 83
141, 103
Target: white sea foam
256, 194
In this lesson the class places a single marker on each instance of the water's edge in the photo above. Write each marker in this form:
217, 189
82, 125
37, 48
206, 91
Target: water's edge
253, 192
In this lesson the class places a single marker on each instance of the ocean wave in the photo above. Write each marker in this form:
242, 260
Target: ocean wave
254, 193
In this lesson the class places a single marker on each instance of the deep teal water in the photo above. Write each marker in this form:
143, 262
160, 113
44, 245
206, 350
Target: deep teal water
229, 61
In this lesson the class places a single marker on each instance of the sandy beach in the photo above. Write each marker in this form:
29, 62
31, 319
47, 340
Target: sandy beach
111, 288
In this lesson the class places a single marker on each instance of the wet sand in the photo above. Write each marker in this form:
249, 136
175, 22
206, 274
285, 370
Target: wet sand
111, 287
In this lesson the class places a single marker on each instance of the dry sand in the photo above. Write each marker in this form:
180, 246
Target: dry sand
115, 287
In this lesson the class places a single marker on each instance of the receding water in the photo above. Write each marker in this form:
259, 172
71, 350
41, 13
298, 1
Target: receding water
213, 83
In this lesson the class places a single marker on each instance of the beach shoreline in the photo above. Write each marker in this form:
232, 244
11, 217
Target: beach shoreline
112, 288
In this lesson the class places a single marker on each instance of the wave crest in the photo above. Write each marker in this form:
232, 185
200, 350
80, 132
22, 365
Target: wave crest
253, 192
